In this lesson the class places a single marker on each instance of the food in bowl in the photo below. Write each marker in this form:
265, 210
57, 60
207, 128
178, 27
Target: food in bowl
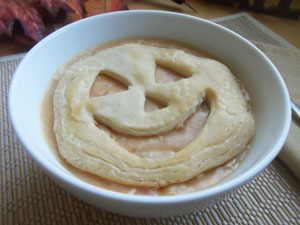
263, 82
148, 116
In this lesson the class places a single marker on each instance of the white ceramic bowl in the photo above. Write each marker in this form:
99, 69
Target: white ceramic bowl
261, 78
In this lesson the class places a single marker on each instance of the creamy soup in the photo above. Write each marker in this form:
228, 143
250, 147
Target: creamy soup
154, 146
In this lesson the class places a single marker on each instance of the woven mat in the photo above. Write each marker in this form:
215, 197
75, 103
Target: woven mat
29, 196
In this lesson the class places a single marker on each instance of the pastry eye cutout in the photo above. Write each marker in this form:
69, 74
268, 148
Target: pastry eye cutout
106, 84
226, 133
165, 74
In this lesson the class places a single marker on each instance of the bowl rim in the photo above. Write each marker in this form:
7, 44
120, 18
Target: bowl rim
145, 199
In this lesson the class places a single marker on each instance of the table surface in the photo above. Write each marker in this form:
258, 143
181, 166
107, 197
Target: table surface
287, 28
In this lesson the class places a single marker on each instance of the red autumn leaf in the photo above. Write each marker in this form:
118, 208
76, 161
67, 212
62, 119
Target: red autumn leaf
115, 5
103, 6
74, 6
34, 14
22, 11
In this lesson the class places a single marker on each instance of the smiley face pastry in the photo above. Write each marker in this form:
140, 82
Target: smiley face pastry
83, 143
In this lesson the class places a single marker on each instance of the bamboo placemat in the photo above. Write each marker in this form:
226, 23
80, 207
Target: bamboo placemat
29, 196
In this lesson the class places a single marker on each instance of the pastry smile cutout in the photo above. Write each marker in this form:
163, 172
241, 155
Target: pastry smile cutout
226, 133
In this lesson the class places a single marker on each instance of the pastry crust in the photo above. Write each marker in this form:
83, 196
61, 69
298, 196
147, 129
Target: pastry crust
228, 129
